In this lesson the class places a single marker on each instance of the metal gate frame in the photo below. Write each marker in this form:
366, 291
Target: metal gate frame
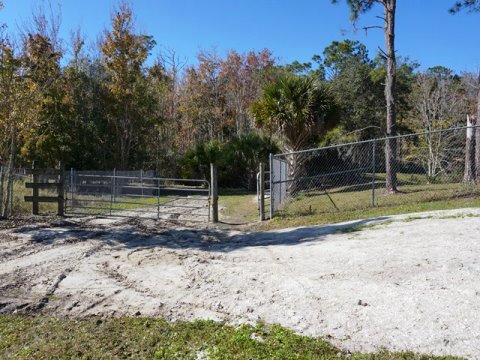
110, 194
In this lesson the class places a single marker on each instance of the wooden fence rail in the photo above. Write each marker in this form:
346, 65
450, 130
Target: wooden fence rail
40, 182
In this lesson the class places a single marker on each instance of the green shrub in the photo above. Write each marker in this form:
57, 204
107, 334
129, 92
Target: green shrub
237, 160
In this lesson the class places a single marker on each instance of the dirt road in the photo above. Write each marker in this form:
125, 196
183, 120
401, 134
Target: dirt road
405, 283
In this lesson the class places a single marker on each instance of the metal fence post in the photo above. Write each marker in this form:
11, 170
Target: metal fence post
261, 183
258, 190
214, 185
112, 195
374, 163
272, 192
209, 201
158, 199
71, 188
114, 185
10, 192
469, 173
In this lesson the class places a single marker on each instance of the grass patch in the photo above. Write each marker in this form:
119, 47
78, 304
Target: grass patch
356, 228
314, 208
317, 218
459, 216
238, 208
20, 207
346, 201
354, 205
142, 338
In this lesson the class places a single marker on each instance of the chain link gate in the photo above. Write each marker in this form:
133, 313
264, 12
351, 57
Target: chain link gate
136, 194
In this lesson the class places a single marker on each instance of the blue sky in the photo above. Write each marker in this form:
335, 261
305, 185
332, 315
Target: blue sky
292, 30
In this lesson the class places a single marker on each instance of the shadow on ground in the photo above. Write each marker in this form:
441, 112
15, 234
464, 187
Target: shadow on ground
139, 234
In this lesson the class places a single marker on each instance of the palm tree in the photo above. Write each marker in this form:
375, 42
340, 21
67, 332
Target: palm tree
297, 109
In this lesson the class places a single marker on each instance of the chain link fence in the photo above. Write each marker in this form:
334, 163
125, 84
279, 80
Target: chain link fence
430, 166
12, 191
133, 193
136, 194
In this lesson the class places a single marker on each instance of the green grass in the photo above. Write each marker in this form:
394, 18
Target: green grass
238, 208
357, 228
312, 208
142, 338
20, 207
317, 218
356, 205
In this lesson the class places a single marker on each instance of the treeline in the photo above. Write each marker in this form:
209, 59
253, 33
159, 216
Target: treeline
106, 107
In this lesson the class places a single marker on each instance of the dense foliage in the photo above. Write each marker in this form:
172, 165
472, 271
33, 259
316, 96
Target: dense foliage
106, 106
237, 160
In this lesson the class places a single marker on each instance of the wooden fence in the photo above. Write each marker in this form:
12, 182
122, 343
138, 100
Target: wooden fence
46, 179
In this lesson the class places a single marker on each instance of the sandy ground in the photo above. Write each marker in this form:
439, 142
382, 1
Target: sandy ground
408, 284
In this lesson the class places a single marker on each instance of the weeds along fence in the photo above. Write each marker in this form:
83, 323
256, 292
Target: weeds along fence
430, 166
12, 184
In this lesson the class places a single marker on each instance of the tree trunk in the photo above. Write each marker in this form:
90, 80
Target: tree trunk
477, 136
1, 189
7, 205
468, 176
122, 152
390, 97
296, 167
292, 176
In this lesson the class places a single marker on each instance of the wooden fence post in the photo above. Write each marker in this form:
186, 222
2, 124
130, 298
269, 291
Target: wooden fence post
40, 180
214, 192
261, 183
35, 190
61, 191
